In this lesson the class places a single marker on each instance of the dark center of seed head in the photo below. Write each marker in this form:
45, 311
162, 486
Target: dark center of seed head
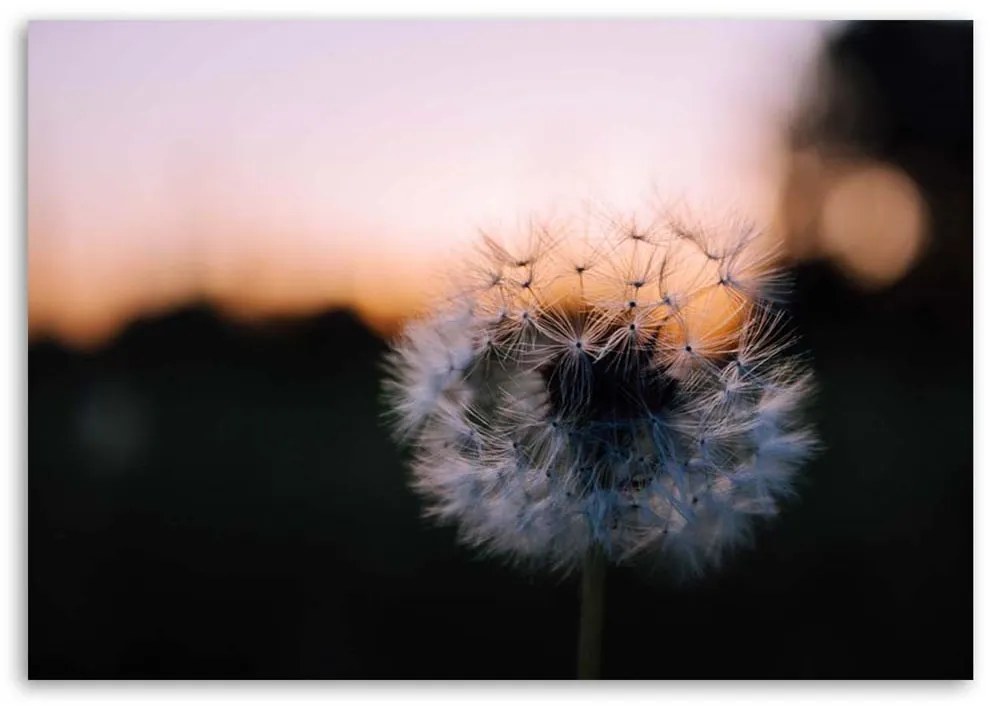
622, 385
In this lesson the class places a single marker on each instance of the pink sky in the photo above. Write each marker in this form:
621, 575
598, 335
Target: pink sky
286, 166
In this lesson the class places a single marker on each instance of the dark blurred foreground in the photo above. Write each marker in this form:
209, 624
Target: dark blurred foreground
212, 501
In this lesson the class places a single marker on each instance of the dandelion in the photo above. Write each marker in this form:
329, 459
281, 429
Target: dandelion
634, 396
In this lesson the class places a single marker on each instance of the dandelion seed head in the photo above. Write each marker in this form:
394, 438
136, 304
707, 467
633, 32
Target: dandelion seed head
637, 392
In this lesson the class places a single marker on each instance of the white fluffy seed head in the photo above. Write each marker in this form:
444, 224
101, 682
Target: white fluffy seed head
637, 392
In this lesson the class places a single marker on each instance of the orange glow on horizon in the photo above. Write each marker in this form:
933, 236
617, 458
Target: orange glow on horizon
282, 168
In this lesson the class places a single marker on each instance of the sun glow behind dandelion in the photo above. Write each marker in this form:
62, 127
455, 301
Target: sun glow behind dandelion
274, 167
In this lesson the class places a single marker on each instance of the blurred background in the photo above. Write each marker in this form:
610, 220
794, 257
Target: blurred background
227, 220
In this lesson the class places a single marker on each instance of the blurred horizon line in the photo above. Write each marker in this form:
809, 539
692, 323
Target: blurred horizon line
286, 167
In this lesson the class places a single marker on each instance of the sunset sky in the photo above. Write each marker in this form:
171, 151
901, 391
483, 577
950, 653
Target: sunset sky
280, 167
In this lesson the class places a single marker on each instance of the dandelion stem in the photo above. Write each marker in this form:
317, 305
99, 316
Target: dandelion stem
592, 613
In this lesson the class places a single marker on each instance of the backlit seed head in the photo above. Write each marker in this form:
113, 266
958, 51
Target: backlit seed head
638, 392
